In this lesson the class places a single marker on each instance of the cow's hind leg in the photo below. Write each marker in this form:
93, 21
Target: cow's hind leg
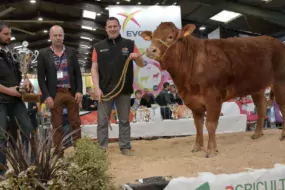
199, 124
212, 119
260, 104
279, 93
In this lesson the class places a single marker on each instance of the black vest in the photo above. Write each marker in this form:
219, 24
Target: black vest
111, 57
9, 75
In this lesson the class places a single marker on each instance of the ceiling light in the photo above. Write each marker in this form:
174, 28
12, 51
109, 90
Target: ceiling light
49, 40
89, 14
107, 8
88, 28
202, 28
45, 31
84, 46
117, 2
266, 1
40, 18
13, 38
225, 16
139, 3
128, 0
98, 0
85, 38
98, 14
33, 1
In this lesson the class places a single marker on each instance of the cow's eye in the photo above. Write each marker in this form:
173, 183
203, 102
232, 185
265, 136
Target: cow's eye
170, 37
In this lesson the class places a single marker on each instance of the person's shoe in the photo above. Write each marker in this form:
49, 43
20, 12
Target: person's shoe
127, 152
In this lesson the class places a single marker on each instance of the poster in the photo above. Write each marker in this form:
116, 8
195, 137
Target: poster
134, 20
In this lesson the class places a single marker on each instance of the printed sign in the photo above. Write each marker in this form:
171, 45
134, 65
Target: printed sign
134, 20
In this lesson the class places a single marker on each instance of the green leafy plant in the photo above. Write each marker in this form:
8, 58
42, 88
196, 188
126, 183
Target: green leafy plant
42, 168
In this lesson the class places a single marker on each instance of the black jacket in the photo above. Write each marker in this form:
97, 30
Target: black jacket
87, 102
10, 75
176, 99
47, 75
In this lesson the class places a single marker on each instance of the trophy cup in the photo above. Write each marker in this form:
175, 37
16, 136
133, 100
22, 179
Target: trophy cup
134, 116
147, 115
174, 110
25, 57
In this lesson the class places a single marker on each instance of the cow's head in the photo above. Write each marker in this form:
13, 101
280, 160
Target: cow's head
163, 37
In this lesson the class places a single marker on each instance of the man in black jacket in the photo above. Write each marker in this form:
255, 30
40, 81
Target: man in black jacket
108, 60
60, 81
11, 103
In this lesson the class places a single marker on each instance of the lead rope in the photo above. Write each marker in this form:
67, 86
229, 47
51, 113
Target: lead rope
109, 96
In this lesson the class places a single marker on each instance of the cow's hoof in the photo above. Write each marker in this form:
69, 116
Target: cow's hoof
196, 150
282, 138
256, 136
211, 153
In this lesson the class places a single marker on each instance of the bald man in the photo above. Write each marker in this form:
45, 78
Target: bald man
60, 81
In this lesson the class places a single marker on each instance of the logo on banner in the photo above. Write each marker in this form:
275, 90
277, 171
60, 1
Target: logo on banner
129, 17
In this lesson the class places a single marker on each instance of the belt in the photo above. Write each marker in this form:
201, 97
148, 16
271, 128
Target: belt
59, 89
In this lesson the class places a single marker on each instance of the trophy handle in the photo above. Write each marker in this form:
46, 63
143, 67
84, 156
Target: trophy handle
14, 55
35, 54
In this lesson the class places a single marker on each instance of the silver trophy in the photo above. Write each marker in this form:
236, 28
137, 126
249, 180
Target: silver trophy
25, 57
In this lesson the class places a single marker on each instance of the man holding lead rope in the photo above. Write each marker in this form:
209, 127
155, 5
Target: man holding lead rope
108, 64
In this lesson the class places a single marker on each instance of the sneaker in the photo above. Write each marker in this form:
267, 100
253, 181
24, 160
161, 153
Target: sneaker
127, 152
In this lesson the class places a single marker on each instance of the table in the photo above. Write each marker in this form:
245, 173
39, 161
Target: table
181, 127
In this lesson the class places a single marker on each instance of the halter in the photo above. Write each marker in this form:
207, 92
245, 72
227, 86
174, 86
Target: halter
165, 44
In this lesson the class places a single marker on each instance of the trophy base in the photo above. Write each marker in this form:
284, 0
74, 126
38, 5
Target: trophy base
31, 97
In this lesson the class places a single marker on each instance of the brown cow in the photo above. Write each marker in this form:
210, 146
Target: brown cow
210, 72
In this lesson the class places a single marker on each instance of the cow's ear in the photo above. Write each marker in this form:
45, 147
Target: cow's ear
146, 35
187, 30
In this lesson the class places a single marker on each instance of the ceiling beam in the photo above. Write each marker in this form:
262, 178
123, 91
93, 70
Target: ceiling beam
272, 16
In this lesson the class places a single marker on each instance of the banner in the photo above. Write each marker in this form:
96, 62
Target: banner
262, 179
134, 20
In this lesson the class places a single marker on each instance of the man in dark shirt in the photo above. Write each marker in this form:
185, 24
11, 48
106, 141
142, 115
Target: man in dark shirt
88, 101
11, 103
108, 60
164, 100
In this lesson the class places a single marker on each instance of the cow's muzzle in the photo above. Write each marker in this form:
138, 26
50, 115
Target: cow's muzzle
152, 52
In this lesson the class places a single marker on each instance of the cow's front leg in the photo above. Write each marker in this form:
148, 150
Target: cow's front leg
199, 124
212, 119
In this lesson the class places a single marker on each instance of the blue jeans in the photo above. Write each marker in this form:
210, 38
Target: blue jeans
16, 110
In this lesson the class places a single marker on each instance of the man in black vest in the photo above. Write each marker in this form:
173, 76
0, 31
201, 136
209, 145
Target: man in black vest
11, 103
108, 59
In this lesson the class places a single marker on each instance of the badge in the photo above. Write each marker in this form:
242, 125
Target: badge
59, 74
125, 51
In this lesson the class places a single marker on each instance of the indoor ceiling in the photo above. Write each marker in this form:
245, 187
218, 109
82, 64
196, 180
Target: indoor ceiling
31, 19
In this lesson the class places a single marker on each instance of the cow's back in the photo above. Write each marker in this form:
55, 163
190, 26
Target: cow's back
246, 64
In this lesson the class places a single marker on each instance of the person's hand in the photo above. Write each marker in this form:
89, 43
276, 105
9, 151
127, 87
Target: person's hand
134, 56
98, 93
27, 83
14, 92
92, 106
49, 102
78, 97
